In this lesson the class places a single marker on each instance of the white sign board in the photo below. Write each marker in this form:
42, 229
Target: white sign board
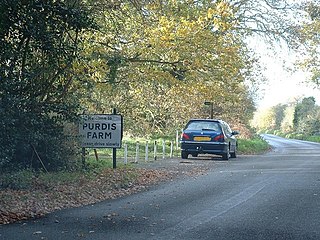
101, 131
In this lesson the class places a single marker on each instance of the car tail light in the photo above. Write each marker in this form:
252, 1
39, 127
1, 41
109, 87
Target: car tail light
185, 136
219, 138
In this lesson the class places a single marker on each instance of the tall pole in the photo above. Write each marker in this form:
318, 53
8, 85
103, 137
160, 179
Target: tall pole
114, 150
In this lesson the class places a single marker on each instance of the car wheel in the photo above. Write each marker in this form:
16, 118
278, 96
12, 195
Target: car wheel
184, 155
226, 155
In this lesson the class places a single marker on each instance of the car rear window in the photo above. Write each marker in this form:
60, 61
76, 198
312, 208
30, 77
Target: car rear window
203, 125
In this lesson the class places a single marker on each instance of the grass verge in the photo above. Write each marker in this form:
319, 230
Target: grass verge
255, 145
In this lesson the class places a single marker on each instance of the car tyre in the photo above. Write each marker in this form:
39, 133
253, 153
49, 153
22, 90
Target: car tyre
184, 155
226, 155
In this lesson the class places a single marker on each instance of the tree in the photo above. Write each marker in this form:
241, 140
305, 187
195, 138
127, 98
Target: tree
303, 113
274, 20
159, 66
279, 114
287, 122
310, 41
39, 43
264, 120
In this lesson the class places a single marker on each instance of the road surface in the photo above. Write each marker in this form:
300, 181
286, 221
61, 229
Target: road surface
270, 196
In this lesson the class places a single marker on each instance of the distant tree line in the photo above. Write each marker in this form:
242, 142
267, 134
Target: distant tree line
299, 117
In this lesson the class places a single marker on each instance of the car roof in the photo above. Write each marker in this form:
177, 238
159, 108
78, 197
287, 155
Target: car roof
205, 119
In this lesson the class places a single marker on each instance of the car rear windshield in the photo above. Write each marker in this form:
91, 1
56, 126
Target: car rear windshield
203, 126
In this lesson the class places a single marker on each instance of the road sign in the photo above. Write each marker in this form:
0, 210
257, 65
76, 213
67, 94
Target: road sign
101, 131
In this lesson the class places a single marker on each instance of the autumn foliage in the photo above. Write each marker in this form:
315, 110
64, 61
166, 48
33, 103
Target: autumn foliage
156, 62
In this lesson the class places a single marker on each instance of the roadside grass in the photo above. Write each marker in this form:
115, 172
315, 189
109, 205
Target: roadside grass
298, 136
313, 139
255, 145
303, 137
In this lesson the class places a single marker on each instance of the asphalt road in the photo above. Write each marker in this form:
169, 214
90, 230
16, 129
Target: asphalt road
270, 196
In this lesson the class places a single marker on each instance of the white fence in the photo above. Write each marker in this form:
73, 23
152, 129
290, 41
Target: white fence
160, 149
142, 151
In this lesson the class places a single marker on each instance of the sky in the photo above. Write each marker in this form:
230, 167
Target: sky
282, 86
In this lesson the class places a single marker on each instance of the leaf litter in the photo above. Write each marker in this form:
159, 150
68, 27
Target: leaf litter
40, 199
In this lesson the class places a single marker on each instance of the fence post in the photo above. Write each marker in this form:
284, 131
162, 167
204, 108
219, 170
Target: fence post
155, 150
171, 149
137, 152
147, 151
163, 149
125, 154
177, 140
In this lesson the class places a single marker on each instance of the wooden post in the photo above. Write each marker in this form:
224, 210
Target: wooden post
171, 149
155, 150
125, 154
163, 149
177, 140
147, 151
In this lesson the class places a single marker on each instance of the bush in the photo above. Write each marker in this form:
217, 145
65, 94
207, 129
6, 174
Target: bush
252, 146
32, 141
17, 180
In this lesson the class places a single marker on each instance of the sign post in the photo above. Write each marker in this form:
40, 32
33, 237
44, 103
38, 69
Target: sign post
114, 150
102, 131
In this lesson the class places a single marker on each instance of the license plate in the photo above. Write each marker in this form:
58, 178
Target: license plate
202, 138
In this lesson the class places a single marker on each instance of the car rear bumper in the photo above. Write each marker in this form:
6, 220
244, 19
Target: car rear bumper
204, 147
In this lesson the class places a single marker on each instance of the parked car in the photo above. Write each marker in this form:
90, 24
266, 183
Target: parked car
208, 136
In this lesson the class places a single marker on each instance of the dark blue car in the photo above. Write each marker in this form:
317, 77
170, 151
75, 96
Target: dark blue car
208, 136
